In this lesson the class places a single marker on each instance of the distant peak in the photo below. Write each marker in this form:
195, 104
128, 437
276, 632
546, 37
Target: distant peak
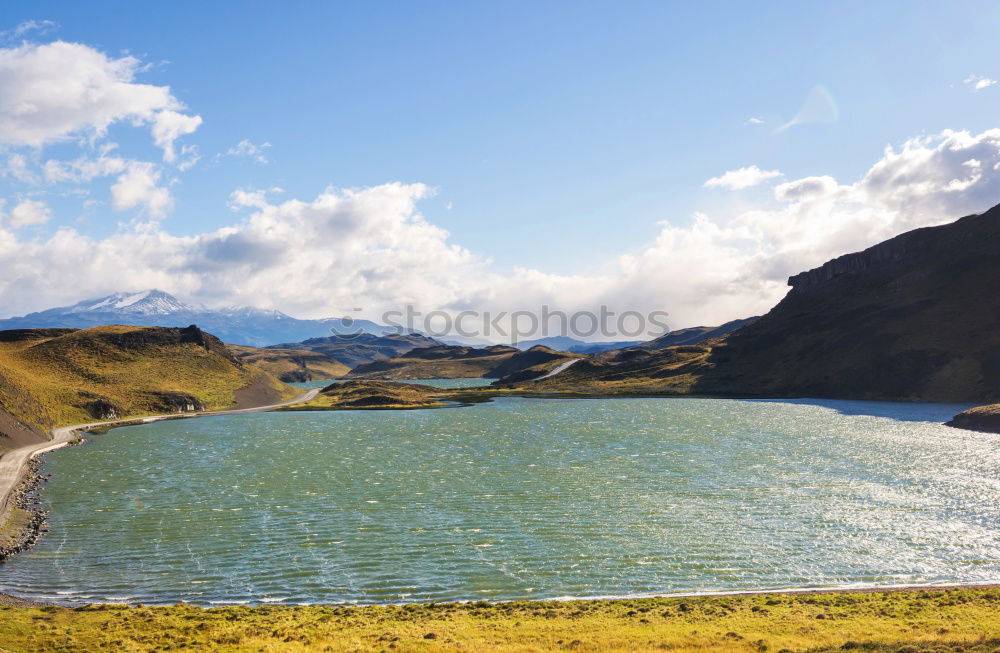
144, 302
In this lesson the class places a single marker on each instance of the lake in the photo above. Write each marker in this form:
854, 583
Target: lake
516, 499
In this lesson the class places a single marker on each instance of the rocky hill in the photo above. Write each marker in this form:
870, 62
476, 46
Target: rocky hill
455, 362
694, 335
916, 317
363, 348
53, 377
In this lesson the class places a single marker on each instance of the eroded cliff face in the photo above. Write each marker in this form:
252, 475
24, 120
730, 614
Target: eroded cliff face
892, 250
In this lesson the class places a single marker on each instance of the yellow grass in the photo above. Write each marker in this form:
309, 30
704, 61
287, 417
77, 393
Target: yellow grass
951, 620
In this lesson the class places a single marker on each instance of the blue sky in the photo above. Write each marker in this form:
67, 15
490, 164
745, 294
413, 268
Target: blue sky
557, 136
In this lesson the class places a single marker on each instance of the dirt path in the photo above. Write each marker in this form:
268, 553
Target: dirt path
558, 368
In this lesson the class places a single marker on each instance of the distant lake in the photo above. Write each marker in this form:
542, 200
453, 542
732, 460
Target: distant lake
518, 498
440, 383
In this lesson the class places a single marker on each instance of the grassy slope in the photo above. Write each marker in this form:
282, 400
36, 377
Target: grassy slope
292, 365
911, 621
52, 381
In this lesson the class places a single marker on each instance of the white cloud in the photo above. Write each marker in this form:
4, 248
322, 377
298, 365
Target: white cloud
308, 257
139, 187
59, 91
28, 212
245, 148
28, 26
168, 126
83, 169
755, 121
18, 168
742, 178
371, 247
819, 107
978, 82
242, 198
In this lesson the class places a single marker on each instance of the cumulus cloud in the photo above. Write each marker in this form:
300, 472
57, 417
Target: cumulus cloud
247, 149
742, 178
28, 212
978, 82
372, 247
307, 257
138, 186
58, 91
168, 126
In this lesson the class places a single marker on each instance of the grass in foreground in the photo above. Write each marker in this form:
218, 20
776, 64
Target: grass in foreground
910, 621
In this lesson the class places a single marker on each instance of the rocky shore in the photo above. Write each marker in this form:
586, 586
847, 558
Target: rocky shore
980, 418
27, 521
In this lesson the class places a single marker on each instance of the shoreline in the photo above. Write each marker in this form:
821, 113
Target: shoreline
20, 479
608, 598
24, 498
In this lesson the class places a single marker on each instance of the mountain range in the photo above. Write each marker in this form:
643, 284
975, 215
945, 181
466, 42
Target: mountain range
362, 348
258, 327
566, 343
240, 325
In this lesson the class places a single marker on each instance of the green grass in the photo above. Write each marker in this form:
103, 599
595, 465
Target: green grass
940, 620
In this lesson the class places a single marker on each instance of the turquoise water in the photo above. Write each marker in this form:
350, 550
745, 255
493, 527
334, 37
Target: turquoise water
439, 383
519, 498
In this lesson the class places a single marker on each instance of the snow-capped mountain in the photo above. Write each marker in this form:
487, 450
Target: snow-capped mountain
241, 325
147, 302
